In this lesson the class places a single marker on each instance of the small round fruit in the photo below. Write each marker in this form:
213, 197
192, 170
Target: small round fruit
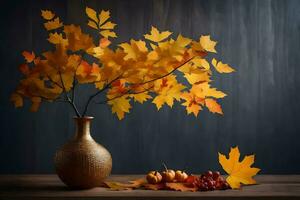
168, 175
209, 173
154, 177
216, 175
180, 176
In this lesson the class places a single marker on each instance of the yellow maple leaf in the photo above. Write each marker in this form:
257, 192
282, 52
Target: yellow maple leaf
200, 62
108, 25
213, 106
53, 24
221, 67
47, 14
141, 98
92, 14
133, 49
239, 172
120, 106
108, 33
17, 100
192, 103
92, 24
208, 44
57, 38
156, 36
169, 90
204, 90
104, 16
199, 77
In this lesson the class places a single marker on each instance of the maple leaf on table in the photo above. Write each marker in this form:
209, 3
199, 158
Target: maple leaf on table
125, 186
239, 172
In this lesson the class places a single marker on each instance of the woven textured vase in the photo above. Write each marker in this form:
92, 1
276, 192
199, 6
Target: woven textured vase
82, 163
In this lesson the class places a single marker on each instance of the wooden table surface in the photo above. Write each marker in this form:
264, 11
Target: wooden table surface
50, 187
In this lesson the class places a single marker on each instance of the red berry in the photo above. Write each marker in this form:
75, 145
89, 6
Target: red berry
216, 175
209, 173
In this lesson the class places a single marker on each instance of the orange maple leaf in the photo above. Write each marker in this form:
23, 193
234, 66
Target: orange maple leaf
29, 57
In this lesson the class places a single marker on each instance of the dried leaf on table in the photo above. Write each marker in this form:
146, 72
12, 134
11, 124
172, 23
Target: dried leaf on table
159, 186
181, 187
125, 186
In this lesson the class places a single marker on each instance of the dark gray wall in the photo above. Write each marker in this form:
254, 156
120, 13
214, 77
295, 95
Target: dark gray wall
260, 38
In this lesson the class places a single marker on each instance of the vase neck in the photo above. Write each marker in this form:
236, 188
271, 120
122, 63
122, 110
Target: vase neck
83, 127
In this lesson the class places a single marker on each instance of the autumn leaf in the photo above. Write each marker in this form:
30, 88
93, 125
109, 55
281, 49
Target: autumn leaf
168, 91
181, 187
53, 24
120, 106
200, 62
239, 172
199, 77
29, 57
108, 25
213, 106
141, 98
93, 24
104, 16
36, 101
221, 67
47, 14
192, 103
208, 44
57, 38
159, 186
92, 14
24, 68
134, 49
125, 186
204, 90
104, 42
156, 36
108, 33
17, 100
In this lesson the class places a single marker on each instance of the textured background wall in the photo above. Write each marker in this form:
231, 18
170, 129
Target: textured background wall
260, 38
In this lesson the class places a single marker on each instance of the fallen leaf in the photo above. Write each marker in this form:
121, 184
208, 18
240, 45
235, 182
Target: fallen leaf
159, 186
181, 187
125, 186
239, 172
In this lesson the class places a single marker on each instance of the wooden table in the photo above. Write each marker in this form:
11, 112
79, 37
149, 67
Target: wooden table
50, 187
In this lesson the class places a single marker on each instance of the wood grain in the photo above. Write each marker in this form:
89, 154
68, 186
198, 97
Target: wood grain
49, 187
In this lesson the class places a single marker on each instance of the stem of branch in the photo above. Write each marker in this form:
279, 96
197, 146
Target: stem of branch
97, 93
68, 98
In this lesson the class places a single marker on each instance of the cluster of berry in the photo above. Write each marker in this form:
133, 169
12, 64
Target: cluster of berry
208, 181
